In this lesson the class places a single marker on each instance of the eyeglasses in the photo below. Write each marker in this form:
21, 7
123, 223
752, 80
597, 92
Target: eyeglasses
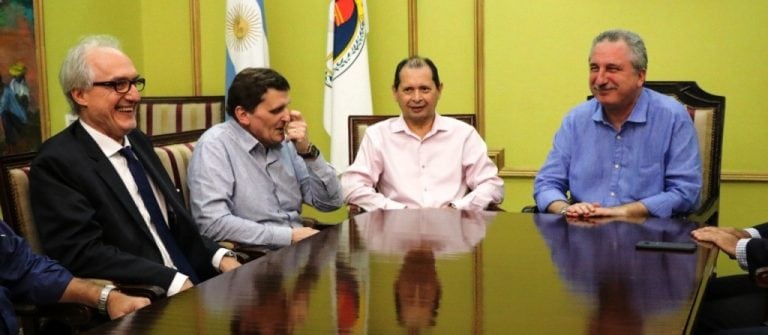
123, 85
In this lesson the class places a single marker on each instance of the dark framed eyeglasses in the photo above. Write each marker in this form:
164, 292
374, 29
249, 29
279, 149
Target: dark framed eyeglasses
123, 85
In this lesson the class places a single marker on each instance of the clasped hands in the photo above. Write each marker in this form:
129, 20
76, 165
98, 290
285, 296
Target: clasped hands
724, 238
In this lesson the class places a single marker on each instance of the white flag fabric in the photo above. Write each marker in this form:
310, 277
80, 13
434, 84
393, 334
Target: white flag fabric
347, 82
245, 36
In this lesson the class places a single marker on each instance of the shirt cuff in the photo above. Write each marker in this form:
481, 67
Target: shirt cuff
177, 284
753, 232
216, 261
741, 253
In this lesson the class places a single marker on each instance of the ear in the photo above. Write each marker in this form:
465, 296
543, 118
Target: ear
394, 93
78, 95
241, 115
641, 77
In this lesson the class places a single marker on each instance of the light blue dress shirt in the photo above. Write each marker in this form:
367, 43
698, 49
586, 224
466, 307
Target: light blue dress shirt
242, 191
653, 159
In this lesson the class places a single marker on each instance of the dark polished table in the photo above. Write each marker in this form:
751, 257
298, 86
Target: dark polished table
442, 271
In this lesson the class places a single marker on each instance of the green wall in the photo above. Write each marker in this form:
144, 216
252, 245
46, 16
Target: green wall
535, 65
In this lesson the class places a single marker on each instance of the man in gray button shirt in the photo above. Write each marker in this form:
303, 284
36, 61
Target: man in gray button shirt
250, 175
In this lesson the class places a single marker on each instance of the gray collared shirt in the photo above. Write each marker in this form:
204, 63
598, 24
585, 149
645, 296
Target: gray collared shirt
244, 192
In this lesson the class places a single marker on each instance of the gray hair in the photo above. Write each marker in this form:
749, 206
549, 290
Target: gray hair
75, 71
638, 55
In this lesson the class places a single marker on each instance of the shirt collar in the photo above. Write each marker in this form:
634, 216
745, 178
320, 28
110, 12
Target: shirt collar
398, 125
639, 112
242, 137
107, 144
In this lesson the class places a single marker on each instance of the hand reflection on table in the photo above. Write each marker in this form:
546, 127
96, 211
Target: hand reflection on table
598, 260
273, 308
421, 236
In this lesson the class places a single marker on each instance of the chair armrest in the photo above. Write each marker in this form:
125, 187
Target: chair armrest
74, 315
707, 213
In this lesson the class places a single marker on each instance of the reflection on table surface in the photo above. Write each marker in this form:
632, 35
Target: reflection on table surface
443, 271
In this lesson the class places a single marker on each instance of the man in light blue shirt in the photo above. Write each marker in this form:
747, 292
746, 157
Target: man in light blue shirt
629, 151
250, 175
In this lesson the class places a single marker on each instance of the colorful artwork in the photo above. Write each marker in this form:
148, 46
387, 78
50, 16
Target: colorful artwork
21, 78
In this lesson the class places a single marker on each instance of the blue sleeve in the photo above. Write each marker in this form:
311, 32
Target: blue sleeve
27, 276
682, 176
551, 181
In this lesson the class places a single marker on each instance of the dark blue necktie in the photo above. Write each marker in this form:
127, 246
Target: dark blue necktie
156, 216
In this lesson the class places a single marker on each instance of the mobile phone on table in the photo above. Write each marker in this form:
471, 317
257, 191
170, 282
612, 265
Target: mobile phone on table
666, 246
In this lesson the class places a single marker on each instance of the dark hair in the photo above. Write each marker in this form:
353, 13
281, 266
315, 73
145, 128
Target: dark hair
250, 85
415, 62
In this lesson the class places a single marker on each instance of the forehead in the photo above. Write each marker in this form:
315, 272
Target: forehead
109, 63
273, 98
410, 76
610, 52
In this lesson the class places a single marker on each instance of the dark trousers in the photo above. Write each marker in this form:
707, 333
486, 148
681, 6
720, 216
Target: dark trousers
733, 305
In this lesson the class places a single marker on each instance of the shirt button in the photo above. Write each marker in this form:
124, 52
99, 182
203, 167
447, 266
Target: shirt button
618, 137
616, 166
613, 194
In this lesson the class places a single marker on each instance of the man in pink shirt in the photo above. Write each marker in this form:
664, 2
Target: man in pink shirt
421, 159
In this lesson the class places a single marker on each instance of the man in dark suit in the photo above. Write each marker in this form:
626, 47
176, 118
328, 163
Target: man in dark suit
103, 204
737, 304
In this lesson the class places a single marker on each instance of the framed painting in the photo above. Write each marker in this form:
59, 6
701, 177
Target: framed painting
23, 97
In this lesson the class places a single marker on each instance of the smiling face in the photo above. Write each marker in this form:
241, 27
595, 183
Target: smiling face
613, 80
417, 95
268, 120
109, 112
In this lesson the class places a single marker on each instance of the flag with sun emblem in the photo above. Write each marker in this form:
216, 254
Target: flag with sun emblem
245, 35
347, 82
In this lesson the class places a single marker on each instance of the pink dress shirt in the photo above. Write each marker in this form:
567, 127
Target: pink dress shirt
450, 165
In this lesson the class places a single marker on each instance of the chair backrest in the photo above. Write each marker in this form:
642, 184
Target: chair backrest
708, 113
358, 123
14, 197
170, 115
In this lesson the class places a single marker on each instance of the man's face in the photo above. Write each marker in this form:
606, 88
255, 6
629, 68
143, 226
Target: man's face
417, 94
109, 112
612, 79
268, 120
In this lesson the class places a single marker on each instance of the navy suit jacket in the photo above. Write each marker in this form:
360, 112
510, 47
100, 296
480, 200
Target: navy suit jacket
87, 220
757, 250
25, 277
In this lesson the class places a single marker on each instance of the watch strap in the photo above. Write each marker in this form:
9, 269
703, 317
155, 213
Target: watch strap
102, 305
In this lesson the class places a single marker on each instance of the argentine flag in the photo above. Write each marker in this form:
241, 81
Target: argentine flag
347, 82
246, 37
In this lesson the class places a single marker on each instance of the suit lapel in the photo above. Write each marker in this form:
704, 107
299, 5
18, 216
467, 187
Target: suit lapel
107, 173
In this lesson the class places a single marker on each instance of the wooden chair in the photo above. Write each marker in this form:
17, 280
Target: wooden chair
173, 115
708, 114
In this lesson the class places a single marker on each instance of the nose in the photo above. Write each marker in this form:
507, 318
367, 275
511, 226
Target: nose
416, 96
286, 114
133, 94
600, 77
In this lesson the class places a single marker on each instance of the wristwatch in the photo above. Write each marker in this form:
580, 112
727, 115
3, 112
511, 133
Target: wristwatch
230, 253
102, 306
311, 154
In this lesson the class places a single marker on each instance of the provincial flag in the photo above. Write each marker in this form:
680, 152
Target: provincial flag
347, 82
246, 37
